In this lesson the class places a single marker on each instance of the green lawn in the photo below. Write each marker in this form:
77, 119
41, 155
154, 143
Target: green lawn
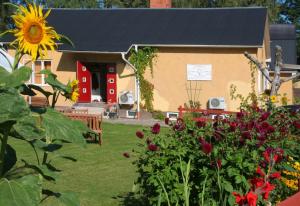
101, 175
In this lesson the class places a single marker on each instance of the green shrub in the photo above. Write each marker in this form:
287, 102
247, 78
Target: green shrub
225, 157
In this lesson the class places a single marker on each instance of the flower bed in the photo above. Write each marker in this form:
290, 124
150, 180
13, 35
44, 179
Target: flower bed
247, 159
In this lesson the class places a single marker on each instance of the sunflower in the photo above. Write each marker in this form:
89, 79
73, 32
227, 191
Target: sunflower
33, 36
273, 98
75, 91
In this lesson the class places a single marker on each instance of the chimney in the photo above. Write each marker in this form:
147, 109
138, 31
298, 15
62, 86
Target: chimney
161, 4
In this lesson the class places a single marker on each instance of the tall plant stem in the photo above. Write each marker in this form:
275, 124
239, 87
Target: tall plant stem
53, 99
2, 152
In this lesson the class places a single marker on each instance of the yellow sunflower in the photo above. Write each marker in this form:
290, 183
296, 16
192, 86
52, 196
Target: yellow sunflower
273, 98
32, 35
75, 91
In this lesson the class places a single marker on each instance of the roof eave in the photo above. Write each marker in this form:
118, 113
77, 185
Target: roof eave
164, 45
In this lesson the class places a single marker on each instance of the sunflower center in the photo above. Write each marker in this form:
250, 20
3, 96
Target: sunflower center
34, 33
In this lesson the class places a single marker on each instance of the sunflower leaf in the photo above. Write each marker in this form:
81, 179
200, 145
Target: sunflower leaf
66, 40
12, 5
40, 89
16, 78
59, 127
12, 106
21, 192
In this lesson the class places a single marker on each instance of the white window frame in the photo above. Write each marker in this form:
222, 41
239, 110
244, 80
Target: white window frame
32, 78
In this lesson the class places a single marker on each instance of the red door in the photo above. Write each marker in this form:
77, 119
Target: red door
84, 78
111, 83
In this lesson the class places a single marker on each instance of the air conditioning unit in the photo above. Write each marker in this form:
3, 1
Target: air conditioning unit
126, 97
216, 103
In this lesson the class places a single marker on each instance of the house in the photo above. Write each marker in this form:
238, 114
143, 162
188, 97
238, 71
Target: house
200, 52
284, 35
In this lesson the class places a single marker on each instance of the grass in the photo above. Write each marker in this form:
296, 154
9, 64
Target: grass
101, 176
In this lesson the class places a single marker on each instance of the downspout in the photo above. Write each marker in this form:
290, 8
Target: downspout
137, 83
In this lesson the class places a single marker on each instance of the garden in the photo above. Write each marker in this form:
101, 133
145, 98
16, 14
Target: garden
250, 158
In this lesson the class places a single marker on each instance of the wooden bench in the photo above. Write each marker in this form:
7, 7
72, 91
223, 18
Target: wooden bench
37, 101
91, 120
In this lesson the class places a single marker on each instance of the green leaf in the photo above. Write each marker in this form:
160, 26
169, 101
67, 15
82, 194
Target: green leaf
238, 179
66, 40
51, 79
227, 186
16, 78
25, 90
33, 184
28, 128
69, 199
18, 192
40, 89
43, 170
59, 127
231, 200
12, 105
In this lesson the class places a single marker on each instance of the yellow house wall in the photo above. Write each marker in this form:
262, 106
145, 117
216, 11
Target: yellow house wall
229, 67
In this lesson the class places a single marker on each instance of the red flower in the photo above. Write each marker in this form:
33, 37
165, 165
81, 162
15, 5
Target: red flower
264, 116
156, 128
139, 134
257, 182
179, 126
167, 120
297, 124
265, 125
233, 126
246, 135
251, 198
126, 154
278, 154
201, 123
267, 154
240, 114
239, 199
267, 189
271, 129
206, 147
260, 172
275, 175
152, 147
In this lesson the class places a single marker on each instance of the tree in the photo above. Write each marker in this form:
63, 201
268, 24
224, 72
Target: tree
70, 3
3, 14
193, 3
290, 14
127, 3
272, 5
276, 81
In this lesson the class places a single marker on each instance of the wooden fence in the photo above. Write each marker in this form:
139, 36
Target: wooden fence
204, 115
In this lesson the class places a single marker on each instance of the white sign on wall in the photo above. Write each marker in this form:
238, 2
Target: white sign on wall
199, 72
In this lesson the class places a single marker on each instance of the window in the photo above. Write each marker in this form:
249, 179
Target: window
37, 67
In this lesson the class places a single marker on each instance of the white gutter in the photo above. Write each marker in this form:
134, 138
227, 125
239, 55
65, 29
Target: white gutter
136, 84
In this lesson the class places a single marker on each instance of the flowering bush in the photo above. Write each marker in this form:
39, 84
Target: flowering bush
238, 160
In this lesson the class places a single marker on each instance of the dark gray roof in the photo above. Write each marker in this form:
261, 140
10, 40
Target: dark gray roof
282, 31
284, 35
115, 30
